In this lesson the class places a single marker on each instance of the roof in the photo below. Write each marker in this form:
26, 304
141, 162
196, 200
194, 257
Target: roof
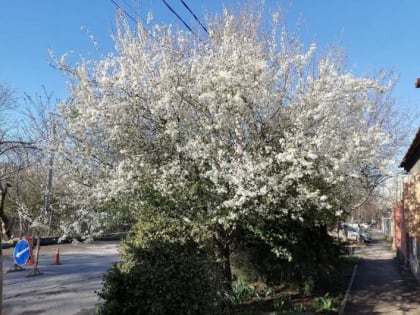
413, 153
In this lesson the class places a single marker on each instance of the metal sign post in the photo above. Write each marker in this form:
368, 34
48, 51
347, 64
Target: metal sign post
35, 271
15, 267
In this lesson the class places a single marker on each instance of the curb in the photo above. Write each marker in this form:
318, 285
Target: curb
346, 296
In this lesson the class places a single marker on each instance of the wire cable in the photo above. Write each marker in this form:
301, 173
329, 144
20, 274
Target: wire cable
195, 17
177, 15
126, 4
124, 11
149, 32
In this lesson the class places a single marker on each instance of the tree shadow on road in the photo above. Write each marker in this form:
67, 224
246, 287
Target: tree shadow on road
381, 286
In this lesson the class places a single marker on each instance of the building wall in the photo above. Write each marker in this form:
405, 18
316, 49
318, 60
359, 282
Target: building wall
400, 233
411, 219
401, 236
416, 168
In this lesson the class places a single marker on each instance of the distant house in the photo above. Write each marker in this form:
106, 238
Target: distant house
407, 212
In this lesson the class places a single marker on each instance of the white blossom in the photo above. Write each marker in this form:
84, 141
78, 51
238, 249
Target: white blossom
261, 123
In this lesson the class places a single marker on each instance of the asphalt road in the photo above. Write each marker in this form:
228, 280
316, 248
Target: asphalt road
64, 289
380, 285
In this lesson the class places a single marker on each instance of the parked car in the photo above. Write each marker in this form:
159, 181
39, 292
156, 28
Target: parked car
364, 237
364, 226
349, 232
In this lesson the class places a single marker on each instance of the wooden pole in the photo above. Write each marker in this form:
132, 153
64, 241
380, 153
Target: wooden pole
4, 221
1, 270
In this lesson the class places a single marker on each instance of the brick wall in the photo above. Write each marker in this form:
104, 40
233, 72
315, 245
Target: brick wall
410, 224
400, 233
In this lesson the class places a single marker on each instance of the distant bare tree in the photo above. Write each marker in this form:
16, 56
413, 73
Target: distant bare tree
13, 150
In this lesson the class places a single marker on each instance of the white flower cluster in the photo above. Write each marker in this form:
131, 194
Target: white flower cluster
265, 126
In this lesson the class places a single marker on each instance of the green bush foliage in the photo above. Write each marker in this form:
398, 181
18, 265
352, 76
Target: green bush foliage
168, 268
313, 256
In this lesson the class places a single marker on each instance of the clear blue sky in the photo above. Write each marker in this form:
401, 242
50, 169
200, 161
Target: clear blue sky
374, 34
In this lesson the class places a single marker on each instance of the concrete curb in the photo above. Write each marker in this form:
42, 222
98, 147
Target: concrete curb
346, 296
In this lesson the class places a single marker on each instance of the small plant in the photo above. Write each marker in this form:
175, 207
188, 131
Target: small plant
242, 291
308, 286
280, 304
299, 308
269, 291
324, 303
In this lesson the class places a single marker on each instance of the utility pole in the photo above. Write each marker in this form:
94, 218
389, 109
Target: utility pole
47, 209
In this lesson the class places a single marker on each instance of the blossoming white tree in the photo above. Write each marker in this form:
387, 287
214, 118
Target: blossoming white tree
243, 126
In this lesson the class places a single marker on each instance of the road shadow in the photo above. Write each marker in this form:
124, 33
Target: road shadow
62, 289
381, 286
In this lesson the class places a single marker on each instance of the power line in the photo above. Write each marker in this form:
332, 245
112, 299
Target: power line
195, 17
124, 11
150, 33
168, 6
177, 15
136, 21
131, 8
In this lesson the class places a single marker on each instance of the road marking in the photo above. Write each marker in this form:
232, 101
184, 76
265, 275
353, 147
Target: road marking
347, 295
18, 254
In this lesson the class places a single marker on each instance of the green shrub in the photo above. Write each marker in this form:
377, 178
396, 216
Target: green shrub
168, 268
314, 256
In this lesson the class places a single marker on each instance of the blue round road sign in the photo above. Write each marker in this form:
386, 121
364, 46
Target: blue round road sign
21, 253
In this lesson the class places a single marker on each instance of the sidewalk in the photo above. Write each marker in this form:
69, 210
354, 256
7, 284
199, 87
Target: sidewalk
380, 286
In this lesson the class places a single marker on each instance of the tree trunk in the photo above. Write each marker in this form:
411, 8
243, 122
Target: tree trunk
227, 268
224, 251
1, 271
6, 227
